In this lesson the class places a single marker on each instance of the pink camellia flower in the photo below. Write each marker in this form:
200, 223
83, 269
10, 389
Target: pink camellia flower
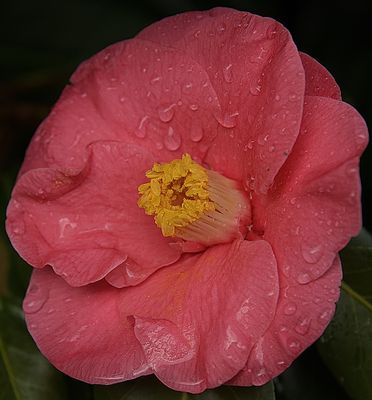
184, 203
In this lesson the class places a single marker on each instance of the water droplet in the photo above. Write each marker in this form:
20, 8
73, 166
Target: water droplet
193, 107
272, 149
281, 363
172, 140
221, 28
18, 226
325, 316
166, 113
255, 89
227, 73
286, 270
262, 139
141, 131
271, 32
303, 278
228, 120
155, 80
277, 97
260, 372
351, 170
35, 299
294, 345
187, 87
258, 57
293, 97
290, 309
311, 253
303, 326
250, 144
196, 134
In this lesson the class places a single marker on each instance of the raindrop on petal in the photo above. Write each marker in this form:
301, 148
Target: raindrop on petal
303, 278
303, 326
290, 309
166, 113
227, 73
196, 133
172, 140
141, 131
35, 299
311, 253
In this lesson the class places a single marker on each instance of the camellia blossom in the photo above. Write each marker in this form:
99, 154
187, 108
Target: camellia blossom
184, 203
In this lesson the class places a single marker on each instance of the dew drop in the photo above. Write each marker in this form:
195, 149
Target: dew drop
155, 80
351, 170
255, 89
290, 309
187, 87
303, 278
293, 345
166, 113
324, 316
193, 107
277, 97
293, 97
172, 140
221, 28
228, 120
303, 326
227, 73
196, 134
262, 139
311, 253
271, 32
286, 270
35, 299
141, 131
18, 227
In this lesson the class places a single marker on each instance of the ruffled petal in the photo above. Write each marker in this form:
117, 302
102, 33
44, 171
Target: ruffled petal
257, 74
314, 206
319, 82
303, 313
87, 223
195, 322
81, 331
134, 92
198, 320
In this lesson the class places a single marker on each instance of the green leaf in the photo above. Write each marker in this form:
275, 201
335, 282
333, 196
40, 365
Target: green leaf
149, 388
24, 373
346, 346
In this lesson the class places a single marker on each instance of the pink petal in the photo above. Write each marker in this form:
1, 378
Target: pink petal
85, 224
200, 318
133, 92
314, 206
303, 313
80, 330
258, 77
319, 82
195, 322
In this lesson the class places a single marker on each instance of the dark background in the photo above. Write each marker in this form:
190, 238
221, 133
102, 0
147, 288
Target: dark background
43, 42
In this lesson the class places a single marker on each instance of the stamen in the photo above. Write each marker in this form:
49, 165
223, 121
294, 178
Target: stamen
193, 203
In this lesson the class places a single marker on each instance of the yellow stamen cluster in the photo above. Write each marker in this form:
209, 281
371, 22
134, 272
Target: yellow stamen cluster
176, 195
193, 203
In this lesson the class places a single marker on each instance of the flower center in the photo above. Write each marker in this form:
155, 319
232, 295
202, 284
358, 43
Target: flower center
193, 203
